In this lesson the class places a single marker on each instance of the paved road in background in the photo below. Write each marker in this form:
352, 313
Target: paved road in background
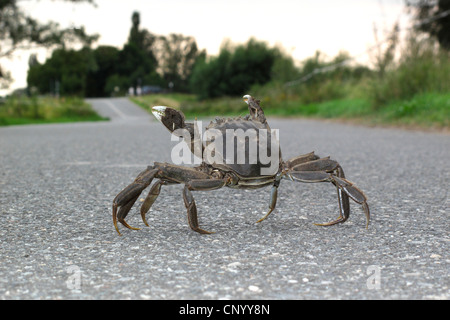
57, 183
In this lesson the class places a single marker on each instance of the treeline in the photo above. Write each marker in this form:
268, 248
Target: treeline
175, 63
160, 63
146, 59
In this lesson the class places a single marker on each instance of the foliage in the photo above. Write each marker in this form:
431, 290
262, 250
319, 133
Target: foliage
106, 59
23, 110
177, 54
234, 70
65, 73
410, 91
20, 31
107, 71
431, 10
426, 110
338, 80
422, 68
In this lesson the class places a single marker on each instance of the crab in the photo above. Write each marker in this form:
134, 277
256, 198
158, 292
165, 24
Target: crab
212, 175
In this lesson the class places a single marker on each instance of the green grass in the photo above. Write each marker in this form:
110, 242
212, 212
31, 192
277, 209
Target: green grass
37, 110
424, 110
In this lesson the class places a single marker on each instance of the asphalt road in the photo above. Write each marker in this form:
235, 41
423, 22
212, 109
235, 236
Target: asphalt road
57, 183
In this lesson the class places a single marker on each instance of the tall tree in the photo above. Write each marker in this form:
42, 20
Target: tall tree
21, 31
435, 18
176, 55
106, 58
136, 61
141, 38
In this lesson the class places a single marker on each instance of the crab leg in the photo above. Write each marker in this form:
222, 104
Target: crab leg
301, 159
273, 202
344, 203
273, 197
328, 165
150, 199
206, 184
189, 202
127, 197
306, 172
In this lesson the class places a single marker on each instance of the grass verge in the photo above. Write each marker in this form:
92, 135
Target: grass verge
37, 110
424, 110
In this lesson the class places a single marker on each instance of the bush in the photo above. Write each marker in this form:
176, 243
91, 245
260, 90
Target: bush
234, 70
22, 110
422, 68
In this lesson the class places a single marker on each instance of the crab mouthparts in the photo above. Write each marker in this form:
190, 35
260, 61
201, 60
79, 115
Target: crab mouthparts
159, 112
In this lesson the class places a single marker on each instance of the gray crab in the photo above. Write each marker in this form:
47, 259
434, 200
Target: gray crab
211, 175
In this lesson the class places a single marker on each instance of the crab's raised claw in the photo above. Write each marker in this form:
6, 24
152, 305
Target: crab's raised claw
124, 201
172, 119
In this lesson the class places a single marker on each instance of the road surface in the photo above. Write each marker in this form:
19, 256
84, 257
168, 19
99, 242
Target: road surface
57, 183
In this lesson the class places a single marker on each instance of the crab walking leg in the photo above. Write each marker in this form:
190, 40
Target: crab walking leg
124, 201
189, 202
291, 163
344, 185
344, 203
331, 166
301, 159
150, 199
273, 202
273, 197
354, 193
192, 211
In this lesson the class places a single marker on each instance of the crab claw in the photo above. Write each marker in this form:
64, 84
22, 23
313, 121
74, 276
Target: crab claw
172, 119
158, 112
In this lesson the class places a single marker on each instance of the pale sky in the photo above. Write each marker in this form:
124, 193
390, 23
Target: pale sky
300, 26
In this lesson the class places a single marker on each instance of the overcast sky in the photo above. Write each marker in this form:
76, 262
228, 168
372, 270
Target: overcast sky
300, 26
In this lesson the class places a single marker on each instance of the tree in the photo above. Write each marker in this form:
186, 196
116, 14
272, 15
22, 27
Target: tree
20, 31
235, 70
106, 58
435, 15
136, 60
64, 73
176, 55
142, 38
